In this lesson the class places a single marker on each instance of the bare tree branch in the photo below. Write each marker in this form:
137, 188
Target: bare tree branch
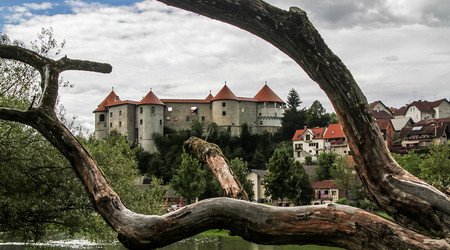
291, 32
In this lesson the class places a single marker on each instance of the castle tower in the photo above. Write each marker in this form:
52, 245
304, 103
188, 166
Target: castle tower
101, 116
270, 110
225, 110
149, 120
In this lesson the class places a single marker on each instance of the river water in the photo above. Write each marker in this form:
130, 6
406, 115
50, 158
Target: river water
194, 243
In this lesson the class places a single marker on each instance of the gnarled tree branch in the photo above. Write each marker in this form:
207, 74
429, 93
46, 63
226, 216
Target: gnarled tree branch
341, 225
291, 32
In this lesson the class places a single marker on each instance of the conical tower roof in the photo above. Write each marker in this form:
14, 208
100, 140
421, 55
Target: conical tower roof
267, 95
110, 99
209, 97
225, 94
150, 98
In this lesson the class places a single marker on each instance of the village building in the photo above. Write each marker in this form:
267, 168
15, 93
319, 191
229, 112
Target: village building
257, 176
138, 121
387, 131
425, 132
326, 192
422, 110
312, 142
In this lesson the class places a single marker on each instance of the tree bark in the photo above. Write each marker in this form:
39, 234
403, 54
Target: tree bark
325, 225
409, 200
211, 154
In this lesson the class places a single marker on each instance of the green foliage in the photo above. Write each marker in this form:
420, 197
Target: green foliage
240, 169
196, 128
325, 162
308, 160
189, 179
432, 167
293, 100
368, 205
287, 178
316, 116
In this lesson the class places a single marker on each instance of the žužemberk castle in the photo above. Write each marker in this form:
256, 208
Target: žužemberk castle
139, 120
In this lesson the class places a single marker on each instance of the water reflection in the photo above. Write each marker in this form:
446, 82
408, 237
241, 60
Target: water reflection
194, 243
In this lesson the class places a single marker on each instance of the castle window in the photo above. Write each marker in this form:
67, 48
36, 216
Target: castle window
194, 110
102, 117
160, 122
203, 118
153, 109
224, 104
169, 109
110, 114
259, 114
110, 124
120, 124
140, 121
224, 113
140, 110
187, 118
120, 112
260, 122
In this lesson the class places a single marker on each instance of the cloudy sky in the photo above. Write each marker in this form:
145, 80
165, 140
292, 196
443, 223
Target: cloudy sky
397, 50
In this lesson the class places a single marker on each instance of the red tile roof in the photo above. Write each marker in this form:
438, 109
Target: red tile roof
267, 95
400, 112
150, 98
122, 102
111, 98
425, 106
334, 131
381, 114
324, 184
225, 94
209, 97
316, 132
184, 101
383, 123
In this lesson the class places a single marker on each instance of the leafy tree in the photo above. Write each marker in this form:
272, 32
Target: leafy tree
287, 178
316, 115
345, 177
196, 128
325, 162
293, 100
433, 167
293, 117
240, 169
189, 179
333, 118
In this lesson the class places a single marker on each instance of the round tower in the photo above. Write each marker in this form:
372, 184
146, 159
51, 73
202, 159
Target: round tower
101, 116
225, 110
149, 120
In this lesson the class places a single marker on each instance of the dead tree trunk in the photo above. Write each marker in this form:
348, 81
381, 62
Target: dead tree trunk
409, 200
325, 225
211, 154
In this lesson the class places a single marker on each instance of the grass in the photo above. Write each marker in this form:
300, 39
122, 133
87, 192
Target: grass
385, 215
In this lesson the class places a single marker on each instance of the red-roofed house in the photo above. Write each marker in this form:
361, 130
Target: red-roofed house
308, 142
139, 120
387, 130
326, 192
422, 110
335, 140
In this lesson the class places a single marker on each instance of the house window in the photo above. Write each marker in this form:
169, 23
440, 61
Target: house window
110, 114
102, 117
140, 110
224, 113
308, 137
153, 110
160, 122
140, 121
169, 109
224, 104
120, 112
